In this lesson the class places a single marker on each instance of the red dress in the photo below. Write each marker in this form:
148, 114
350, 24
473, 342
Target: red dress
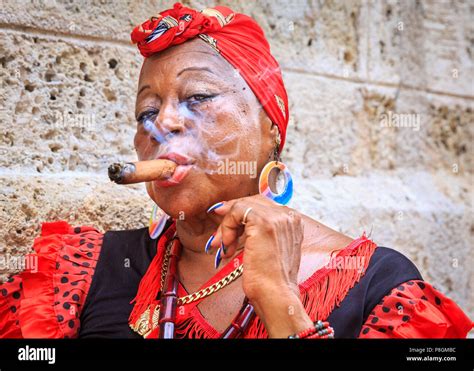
49, 303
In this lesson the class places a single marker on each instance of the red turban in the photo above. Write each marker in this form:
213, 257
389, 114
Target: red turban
237, 37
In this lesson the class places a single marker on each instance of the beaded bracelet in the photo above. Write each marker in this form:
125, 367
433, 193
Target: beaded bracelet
320, 330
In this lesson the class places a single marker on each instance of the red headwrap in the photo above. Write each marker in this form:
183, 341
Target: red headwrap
237, 37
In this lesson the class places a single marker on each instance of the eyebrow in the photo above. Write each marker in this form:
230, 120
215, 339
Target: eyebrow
207, 69
194, 69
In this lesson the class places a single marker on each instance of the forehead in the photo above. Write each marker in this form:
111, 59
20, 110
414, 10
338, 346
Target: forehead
195, 52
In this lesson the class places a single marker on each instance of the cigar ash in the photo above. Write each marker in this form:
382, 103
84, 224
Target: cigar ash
118, 171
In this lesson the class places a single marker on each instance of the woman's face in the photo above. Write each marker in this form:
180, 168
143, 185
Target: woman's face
193, 107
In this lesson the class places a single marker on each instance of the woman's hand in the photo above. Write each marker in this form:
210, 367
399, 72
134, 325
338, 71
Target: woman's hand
272, 237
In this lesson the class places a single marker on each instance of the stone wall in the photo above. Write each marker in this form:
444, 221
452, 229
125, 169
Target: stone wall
352, 68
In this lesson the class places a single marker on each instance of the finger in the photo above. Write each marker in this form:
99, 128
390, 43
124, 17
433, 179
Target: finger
229, 249
225, 241
223, 207
228, 231
232, 228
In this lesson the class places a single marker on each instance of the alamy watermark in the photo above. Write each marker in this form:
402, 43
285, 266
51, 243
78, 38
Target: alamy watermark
37, 354
400, 120
347, 263
64, 119
19, 262
230, 167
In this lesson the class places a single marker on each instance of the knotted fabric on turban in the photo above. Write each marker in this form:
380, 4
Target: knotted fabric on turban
236, 37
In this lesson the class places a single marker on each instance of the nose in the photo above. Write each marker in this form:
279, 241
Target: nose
169, 122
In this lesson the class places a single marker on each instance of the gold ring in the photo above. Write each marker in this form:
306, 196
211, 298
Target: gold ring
244, 220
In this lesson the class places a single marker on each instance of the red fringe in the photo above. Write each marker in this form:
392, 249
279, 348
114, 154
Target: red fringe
327, 287
320, 293
195, 327
151, 281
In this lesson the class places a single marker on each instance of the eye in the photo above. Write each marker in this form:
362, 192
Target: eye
197, 98
147, 115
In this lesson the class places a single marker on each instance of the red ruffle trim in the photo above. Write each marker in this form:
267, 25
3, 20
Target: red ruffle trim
416, 309
46, 299
320, 293
325, 289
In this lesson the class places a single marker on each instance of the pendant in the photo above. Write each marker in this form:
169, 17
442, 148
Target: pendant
143, 326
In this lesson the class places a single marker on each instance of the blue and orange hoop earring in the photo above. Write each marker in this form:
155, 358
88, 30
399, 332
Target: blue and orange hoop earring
285, 196
157, 222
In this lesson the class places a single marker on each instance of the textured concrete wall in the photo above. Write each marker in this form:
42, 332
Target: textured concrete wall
68, 76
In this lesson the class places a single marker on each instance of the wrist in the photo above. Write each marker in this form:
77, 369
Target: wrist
266, 289
281, 311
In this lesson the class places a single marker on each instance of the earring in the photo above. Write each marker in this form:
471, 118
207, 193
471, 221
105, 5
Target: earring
158, 219
264, 187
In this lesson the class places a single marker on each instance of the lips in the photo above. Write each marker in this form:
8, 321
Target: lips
185, 164
178, 158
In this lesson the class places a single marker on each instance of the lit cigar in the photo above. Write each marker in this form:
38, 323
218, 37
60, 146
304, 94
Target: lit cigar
141, 171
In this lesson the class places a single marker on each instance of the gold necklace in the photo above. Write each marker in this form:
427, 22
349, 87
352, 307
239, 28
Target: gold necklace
142, 325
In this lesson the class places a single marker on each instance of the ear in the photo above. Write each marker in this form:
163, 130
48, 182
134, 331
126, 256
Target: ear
270, 132
274, 139
275, 132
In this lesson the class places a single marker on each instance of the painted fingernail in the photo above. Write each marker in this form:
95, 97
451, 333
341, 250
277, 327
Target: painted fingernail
215, 206
224, 249
218, 258
208, 243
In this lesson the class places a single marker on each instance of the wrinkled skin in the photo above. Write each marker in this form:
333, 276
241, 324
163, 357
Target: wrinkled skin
210, 116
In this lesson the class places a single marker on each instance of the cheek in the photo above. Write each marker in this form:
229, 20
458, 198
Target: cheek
143, 145
231, 129
138, 142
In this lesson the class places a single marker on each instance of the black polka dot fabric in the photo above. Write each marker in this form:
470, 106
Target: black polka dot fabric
10, 299
67, 257
416, 309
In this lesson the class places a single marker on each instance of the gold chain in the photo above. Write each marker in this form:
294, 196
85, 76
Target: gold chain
166, 258
142, 325
209, 290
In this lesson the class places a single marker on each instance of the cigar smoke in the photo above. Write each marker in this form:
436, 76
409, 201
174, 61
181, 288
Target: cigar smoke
194, 142
205, 137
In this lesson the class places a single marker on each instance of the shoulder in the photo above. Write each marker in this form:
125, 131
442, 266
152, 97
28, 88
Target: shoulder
387, 269
126, 242
402, 305
133, 247
381, 270
319, 244
125, 258
389, 263
416, 309
68, 268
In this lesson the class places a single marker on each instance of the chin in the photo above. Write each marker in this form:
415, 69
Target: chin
180, 201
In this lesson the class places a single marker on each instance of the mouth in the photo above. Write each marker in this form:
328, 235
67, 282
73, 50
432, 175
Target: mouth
185, 164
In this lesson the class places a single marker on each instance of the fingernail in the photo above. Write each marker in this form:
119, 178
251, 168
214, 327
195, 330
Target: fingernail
215, 206
218, 258
224, 249
208, 243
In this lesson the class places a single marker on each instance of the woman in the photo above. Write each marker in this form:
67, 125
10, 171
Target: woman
230, 261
